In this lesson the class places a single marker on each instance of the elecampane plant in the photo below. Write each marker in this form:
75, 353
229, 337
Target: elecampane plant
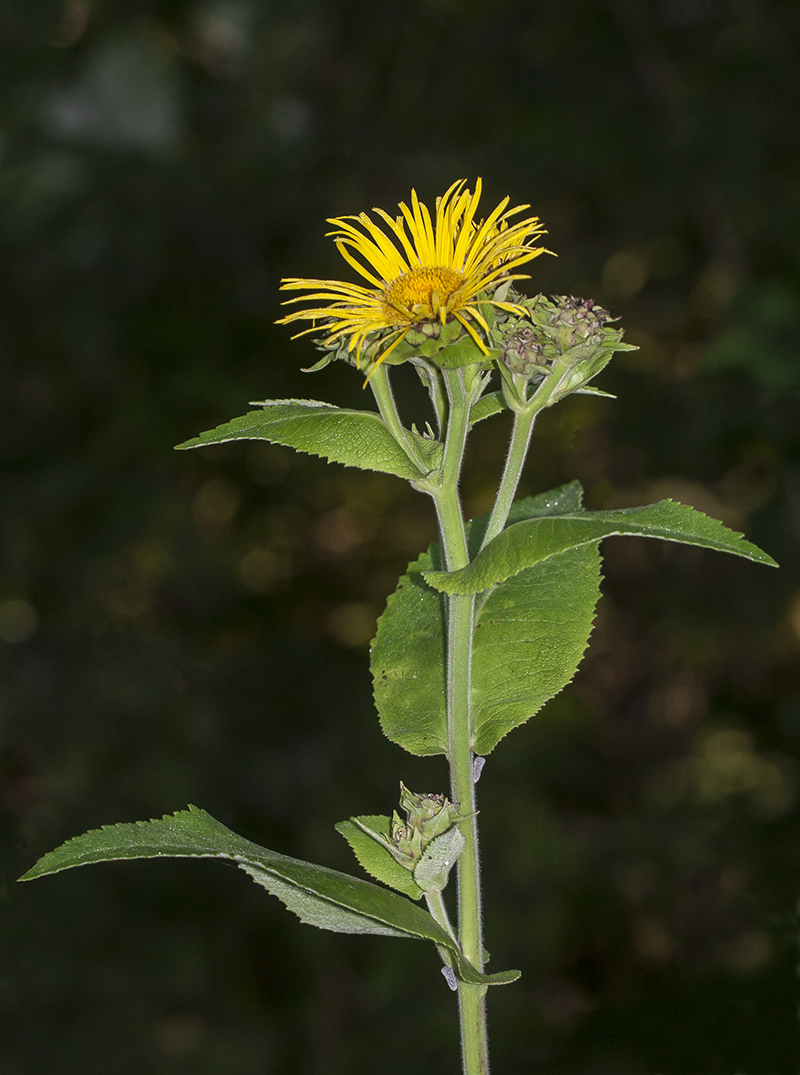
487, 625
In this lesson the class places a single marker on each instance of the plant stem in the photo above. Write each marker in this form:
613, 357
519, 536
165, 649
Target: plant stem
474, 1039
382, 391
437, 908
431, 377
517, 450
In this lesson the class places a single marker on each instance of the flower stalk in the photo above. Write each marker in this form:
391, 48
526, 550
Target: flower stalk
459, 617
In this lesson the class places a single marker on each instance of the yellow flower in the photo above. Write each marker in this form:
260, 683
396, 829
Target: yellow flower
422, 270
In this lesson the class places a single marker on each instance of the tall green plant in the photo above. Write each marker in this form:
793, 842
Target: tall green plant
487, 625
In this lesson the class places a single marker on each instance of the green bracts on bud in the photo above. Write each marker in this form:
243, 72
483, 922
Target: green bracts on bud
427, 843
448, 345
523, 354
431, 815
433, 870
341, 349
406, 843
569, 322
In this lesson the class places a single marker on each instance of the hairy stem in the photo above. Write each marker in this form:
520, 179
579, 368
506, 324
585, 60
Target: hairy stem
382, 391
436, 906
459, 609
515, 460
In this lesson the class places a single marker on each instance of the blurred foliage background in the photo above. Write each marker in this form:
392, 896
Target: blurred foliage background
195, 627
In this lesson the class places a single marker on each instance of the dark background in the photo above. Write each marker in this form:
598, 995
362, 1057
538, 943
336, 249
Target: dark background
195, 627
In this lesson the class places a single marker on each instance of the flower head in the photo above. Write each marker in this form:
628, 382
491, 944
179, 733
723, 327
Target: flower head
422, 269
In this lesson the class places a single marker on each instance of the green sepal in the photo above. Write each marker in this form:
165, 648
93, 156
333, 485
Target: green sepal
321, 363
590, 390
428, 340
373, 856
353, 438
527, 543
325, 898
465, 352
488, 312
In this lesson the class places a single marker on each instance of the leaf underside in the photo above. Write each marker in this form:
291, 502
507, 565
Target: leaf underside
353, 438
319, 896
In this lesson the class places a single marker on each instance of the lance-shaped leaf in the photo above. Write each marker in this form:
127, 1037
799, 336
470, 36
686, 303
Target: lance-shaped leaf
563, 500
319, 896
354, 438
527, 543
486, 406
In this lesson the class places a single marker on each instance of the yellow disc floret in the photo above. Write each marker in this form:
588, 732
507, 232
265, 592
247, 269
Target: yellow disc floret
421, 295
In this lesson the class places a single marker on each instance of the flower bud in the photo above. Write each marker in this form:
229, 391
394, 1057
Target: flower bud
566, 343
407, 843
523, 354
430, 814
568, 322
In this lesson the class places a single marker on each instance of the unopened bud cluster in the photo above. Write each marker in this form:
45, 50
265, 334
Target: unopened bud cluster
560, 345
427, 817
523, 352
561, 325
544, 347
571, 322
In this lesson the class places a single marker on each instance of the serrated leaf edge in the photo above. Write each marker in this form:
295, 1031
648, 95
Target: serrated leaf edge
447, 581
466, 971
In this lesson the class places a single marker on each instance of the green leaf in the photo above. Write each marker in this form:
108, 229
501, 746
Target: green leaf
432, 872
374, 858
317, 910
408, 654
465, 352
407, 662
590, 390
319, 896
486, 406
530, 636
531, 630
527, 543
561, 501
354, 438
